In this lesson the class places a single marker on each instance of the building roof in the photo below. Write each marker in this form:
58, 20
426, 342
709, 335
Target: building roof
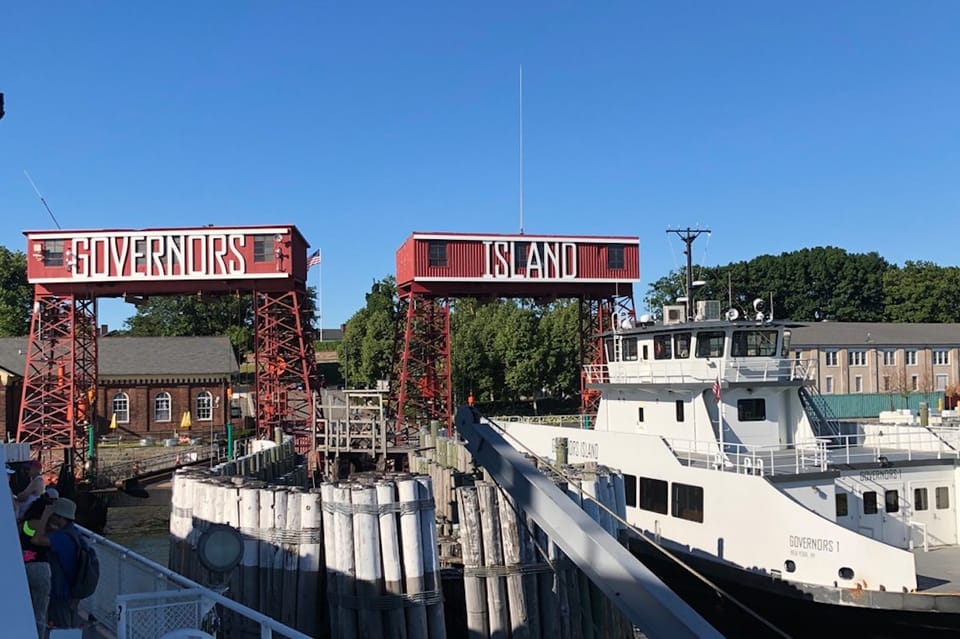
876, 334
120, 357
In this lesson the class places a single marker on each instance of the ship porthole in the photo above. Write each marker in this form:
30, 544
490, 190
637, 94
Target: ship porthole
846, 573
789, 565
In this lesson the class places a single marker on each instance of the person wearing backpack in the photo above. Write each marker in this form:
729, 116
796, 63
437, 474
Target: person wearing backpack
58, 532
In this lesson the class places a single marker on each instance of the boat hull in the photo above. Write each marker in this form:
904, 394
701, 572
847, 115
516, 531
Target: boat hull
787, 607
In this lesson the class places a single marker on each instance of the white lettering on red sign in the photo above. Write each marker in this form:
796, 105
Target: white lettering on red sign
180, 255
543, 260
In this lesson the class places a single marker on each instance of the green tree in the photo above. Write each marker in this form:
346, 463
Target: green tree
16, 294
922, 292
367, 350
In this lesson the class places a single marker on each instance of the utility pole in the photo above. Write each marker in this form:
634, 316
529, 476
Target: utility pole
688, 235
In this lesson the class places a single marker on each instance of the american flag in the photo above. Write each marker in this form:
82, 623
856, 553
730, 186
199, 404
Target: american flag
314, 259
716, 390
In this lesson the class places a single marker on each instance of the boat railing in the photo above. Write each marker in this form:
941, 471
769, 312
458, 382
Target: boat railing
750, 460
893, 441
139, 598
564, 421
699, 371
922, 528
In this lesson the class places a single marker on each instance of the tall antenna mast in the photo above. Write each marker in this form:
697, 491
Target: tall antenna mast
521, 149
688, 235
42, 201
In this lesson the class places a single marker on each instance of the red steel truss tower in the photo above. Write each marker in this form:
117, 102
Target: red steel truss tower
70, 270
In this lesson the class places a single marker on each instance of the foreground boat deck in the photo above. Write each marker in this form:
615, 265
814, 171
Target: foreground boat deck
938, 570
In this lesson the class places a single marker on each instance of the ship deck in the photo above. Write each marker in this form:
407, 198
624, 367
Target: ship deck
938, 570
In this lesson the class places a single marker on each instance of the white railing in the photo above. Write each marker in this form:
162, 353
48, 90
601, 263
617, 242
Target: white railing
751, 460
907, 442
563, 421
136, 595
698, 371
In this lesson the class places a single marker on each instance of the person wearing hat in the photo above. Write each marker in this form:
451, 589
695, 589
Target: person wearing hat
57, 532
33, 490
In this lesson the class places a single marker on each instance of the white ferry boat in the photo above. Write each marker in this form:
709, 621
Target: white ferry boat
733, 463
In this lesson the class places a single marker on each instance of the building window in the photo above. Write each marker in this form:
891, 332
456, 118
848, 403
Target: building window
751, 410
942, 496
920, 499
889, 358
681, 345
630, 489
910, 357
710, 344
121, 408
53, 253
914, 382
940, 381
891, 500
204, 406
263, 248
886, 383
661, 347
653, 495
519, 255
161, 407
827, 384
437, 253
941, 357
615, 260
639, 413
857, 358
687, 502
830, 358
870, 503
841, 501
858, 384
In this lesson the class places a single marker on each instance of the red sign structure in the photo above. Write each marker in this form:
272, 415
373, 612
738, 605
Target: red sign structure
71, 269
432, 268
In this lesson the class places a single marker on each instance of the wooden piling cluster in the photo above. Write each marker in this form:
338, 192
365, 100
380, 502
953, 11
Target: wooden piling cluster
518, 584
383, 569
449, 465
276, 464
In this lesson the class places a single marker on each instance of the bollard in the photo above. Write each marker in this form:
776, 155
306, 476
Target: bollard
561, 447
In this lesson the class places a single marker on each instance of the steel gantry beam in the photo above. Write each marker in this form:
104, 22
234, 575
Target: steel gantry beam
598, 315
423, 373
60, 378
632, 587
285, 366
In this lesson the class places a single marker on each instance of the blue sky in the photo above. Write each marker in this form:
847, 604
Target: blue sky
777, 125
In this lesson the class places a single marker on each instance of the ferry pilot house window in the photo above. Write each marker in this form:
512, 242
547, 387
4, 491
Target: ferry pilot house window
437, 253
615, 256
687, 502
53, 253
943, 497
630, 349
870, 503
681, 345
891, 500
710, 344
263, 248
754, 344
920, 499
751, 410
661, 347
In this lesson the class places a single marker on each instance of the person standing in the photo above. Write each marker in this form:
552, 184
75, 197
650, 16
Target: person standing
57, 532
35, 560
33, 490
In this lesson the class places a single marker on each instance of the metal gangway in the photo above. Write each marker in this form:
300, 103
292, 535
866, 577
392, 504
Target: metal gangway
646, 601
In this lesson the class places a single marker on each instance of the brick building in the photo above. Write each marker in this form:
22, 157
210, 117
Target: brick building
874, 357
147, 383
